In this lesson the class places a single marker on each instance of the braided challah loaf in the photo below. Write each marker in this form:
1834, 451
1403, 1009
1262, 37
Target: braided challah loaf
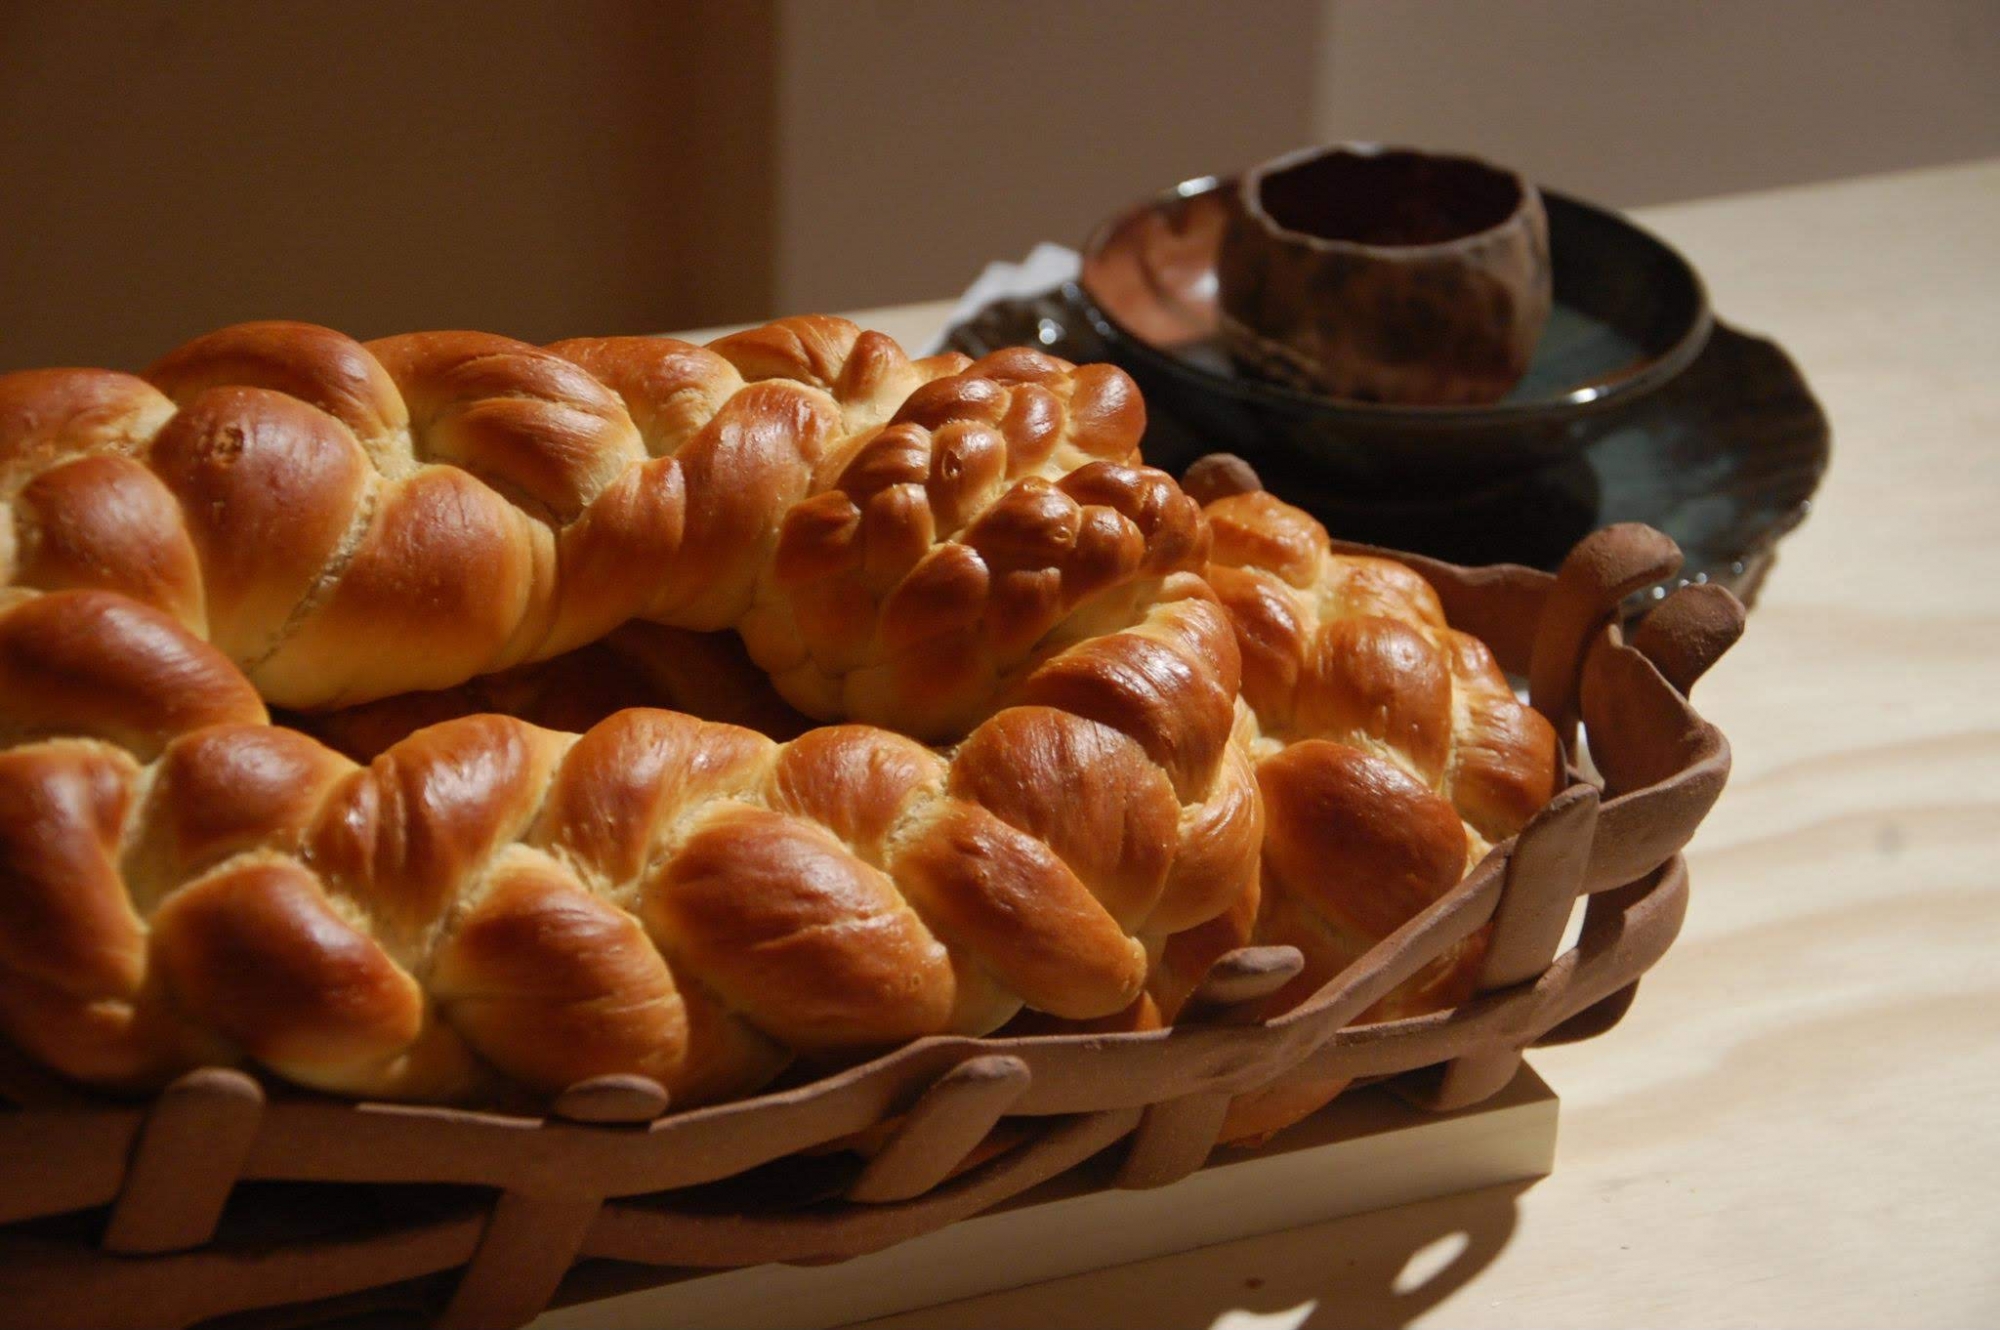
892, 538
489, 901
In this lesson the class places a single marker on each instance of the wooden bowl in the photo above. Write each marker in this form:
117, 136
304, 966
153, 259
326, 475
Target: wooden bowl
1630, 318
1386, 275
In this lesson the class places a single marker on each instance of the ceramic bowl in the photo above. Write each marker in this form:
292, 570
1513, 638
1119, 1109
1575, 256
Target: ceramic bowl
1385, 275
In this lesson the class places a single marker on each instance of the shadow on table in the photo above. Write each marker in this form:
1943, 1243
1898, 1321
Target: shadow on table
1384, 1268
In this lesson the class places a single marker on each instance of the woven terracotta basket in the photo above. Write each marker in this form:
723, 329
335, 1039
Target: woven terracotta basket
224, 1197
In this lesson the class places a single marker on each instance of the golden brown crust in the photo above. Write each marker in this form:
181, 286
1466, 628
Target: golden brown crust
96, 664
779, 917
1100, 803
256, 952
72, 950
1364, 842
1020, 911
105, 521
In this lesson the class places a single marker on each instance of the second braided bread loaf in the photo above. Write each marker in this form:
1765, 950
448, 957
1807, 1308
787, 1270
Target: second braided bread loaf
489, 903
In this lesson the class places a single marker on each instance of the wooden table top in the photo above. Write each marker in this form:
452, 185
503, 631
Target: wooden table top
1799, 1123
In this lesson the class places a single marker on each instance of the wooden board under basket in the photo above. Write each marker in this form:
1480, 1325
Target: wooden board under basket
1366, 1151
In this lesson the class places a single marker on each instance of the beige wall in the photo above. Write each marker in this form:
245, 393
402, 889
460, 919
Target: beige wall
919, 138
1642, 101
549, 167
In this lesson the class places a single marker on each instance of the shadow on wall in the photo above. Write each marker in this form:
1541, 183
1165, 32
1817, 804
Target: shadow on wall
543, 169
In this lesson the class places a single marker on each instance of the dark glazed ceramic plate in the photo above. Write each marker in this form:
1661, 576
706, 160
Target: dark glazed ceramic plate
1629, 316
1724, 457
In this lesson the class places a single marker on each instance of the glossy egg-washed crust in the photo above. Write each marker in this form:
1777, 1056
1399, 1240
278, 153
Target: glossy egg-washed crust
960, 554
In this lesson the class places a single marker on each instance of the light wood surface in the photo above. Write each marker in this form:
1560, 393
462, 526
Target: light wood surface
1799, 1123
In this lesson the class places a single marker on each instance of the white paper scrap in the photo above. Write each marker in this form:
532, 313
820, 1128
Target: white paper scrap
1047, 266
